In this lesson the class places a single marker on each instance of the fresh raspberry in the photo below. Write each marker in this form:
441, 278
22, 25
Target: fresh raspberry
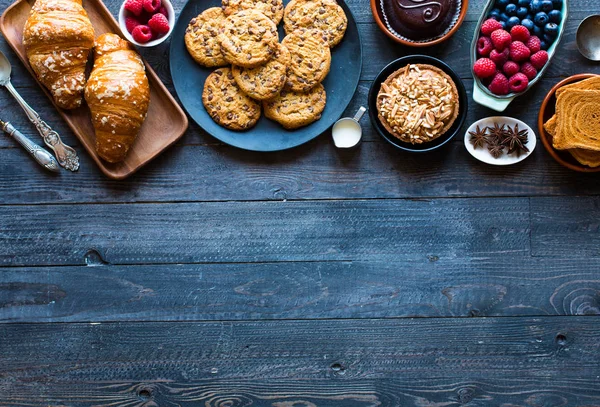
501, 39
484, 68
534, 44
144, 17
151, 6
499, 58
518, 82
519, 52
529, 70
539, 59
159, 24
489, 26
499, 85
130, 24
142, 34
484, 46
135, 6
163, 10
519, 33
510, 68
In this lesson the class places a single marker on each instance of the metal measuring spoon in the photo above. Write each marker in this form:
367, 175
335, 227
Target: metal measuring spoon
66, 156
347, 132
588, 37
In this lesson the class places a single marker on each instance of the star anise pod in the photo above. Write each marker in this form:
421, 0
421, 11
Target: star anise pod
495, 148
496, 133
515, 140
478, 137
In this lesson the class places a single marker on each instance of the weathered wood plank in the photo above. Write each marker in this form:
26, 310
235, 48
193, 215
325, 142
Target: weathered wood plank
314, 171
202, 171
566, 227
429, 287
404, 391
446, 361
387, 230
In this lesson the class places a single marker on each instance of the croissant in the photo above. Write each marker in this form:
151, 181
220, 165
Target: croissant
118, 95
58, 37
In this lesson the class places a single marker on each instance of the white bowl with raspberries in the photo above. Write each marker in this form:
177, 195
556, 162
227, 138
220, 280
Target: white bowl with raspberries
146, 23
507, 56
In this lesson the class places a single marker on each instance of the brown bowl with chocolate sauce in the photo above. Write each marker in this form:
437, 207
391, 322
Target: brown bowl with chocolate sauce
419, 23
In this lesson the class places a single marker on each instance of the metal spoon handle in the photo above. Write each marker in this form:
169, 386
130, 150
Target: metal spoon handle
43, 157
66, 156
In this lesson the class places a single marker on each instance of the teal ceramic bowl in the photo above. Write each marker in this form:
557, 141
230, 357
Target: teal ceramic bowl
481, 93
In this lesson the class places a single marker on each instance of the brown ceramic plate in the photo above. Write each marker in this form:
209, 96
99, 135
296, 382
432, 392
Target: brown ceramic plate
547, 110
165, 124
377, 15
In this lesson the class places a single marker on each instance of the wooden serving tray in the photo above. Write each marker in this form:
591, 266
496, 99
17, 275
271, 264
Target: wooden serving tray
166, 121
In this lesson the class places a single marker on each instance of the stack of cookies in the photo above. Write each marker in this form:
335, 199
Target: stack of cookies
576, 125
282, 78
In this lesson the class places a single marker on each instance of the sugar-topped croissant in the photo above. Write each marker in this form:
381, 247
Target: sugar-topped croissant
58, 37
118, 95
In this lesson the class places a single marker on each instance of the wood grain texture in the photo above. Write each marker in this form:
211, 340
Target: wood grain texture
548, 361
429, 287
566, 227
294, 231
196, 170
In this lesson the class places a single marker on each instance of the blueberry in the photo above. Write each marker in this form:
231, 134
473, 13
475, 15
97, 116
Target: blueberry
537, 31
503, 24
555, 16
535, 6
548, 39
544, 45
504, 17
495, 14
501, 4
541, 19
551, 30
511, 10
557, 4
512, 22
527, 23
547, 5
524, 3
522, 12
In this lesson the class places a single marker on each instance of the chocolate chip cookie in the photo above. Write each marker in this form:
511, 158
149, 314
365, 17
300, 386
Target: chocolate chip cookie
311, 59
227, 104
270, 8
265, 81
325, 15
296, 109
248, 38
201, 38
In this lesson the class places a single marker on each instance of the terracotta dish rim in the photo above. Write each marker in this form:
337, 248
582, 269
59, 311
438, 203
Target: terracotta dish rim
545, 137
463, 12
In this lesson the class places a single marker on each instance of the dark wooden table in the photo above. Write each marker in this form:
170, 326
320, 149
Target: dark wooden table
224, 278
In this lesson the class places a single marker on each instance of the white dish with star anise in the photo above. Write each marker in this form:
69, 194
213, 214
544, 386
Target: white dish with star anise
500, 140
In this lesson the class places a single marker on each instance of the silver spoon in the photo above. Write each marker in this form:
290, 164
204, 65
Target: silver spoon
588, 37
41, 156
66, 156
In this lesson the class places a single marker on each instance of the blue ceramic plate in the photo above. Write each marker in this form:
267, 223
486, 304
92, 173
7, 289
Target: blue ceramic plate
267, 135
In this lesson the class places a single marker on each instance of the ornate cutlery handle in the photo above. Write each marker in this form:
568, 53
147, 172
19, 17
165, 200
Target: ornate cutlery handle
44, 158
66, 156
